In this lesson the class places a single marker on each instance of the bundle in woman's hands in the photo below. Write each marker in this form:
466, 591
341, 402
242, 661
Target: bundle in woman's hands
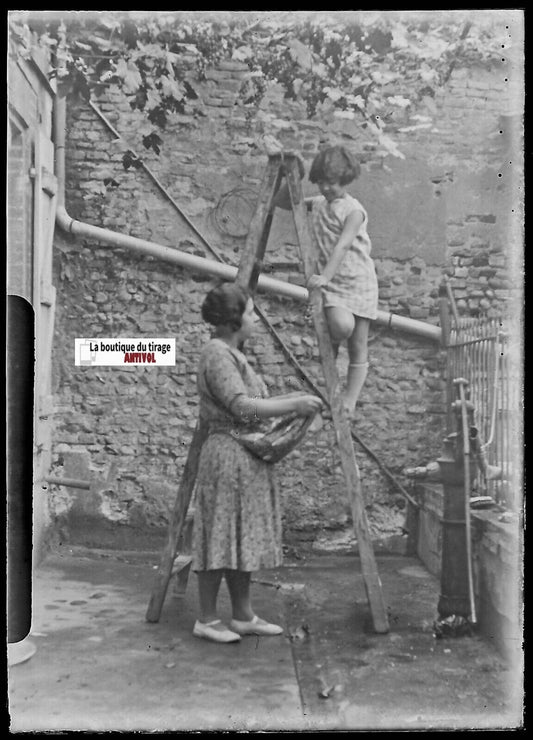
276, 438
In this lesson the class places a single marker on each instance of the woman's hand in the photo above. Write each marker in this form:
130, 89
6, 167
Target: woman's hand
317, 281
306, 404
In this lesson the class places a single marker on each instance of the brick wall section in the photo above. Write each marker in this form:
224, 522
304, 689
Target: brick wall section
142, 419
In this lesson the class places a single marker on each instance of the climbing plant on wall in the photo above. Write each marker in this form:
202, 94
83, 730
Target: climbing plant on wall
362, 66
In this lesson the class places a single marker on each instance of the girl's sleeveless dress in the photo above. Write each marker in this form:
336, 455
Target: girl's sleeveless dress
354, 286
237, 517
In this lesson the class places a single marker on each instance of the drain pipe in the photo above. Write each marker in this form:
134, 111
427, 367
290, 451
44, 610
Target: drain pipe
461, 383
142, 246
188, 261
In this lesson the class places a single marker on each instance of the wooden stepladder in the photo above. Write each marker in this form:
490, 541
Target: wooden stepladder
283, 166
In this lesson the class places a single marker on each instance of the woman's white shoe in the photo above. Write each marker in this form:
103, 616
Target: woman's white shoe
255, 626
209, 632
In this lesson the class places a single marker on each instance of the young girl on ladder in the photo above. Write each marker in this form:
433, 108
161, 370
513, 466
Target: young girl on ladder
347, 274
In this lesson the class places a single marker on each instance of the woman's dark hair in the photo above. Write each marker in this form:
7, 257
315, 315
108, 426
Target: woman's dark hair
225, 304
334, 164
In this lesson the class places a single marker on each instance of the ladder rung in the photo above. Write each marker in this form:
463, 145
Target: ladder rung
180, 563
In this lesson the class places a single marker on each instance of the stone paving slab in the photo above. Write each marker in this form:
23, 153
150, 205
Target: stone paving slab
352, 678
100, 666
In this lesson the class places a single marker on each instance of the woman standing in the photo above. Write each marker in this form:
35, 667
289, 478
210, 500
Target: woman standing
237, 522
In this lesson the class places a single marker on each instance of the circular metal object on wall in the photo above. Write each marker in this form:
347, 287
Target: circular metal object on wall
234, 212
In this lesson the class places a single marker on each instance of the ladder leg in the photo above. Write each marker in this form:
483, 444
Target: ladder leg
260, 225
179, 513
182, 580
351, 472
182, 564
364, 542
342, 428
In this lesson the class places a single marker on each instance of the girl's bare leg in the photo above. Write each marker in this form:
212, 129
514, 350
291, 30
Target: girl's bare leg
358, 367
341, 324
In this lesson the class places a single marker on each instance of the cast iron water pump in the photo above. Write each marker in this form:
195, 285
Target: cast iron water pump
455, 469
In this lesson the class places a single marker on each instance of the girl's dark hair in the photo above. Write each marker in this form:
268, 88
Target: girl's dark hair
225, 304
334, 164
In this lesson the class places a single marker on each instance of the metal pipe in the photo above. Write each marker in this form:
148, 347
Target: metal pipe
173, 256
189, 261
497, 354
70, 482
489, 472
461, 383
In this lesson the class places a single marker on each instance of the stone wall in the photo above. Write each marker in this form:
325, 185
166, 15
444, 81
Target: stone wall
437, 211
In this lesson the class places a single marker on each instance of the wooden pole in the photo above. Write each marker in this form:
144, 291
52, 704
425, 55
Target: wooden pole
445, 325
183, 498
256, 241
342, 428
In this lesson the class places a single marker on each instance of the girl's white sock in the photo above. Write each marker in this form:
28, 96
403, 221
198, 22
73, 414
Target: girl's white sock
357, 372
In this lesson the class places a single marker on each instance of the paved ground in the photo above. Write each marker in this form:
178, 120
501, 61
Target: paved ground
100, 666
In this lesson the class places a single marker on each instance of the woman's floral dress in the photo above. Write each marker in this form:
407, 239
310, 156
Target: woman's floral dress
237, 518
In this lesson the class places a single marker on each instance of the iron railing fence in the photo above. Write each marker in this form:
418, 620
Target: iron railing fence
481, 351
